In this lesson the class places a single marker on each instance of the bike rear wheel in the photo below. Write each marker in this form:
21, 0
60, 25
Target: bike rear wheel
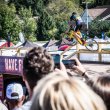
91, 45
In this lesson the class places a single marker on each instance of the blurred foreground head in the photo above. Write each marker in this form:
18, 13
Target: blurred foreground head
36, 64
101, 85
58, 92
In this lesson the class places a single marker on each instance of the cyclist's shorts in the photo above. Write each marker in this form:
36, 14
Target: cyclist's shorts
78, 27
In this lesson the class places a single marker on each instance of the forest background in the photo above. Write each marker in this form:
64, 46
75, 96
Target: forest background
45, 19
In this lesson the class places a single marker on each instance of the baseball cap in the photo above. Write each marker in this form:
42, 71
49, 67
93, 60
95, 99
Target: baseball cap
14, 91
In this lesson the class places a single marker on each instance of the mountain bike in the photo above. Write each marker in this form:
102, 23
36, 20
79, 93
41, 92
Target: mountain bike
89, 43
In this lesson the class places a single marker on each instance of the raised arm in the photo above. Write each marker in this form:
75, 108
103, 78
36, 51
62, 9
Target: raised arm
80, 69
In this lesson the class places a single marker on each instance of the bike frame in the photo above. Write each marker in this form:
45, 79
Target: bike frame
75, 35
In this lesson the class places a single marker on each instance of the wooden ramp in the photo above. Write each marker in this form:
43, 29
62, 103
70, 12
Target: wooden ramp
102, 55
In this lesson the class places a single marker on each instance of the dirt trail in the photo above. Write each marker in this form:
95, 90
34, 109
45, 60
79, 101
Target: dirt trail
95, 69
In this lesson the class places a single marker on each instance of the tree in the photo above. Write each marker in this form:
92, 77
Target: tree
12, 23
9, 22
62, 9
38, 8
62, 26
21, 3
49, 12
28, 23
36, 5
46, 26
97, 27
94, 3
102, 2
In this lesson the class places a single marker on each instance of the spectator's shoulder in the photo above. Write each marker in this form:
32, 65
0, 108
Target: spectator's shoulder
2, 106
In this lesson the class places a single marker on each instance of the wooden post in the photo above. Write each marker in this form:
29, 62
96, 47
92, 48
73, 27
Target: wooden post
100, 56
100, 47
77, 49
99, 52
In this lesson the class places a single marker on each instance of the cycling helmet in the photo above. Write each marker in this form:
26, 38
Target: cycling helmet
73, 16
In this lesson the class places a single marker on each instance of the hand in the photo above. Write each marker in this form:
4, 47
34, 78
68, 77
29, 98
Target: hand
78, 67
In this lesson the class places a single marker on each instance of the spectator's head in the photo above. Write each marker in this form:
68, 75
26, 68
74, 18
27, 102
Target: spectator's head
58, 92
101, 85
14, 91
14, 95
36, 64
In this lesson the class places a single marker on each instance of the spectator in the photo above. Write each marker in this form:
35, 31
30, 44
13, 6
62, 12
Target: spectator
100, 84
8, 39
36, 64
14, 95
2, 106
57, 92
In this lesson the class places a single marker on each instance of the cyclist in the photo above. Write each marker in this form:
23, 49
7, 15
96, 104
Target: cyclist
78, 22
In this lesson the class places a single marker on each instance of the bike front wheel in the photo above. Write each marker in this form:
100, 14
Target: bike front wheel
92, 45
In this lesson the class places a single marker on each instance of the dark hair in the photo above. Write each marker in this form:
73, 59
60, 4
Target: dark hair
36, 64
101, 85
74, 13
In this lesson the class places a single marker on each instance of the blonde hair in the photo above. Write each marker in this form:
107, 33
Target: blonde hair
101, 85
58, 92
